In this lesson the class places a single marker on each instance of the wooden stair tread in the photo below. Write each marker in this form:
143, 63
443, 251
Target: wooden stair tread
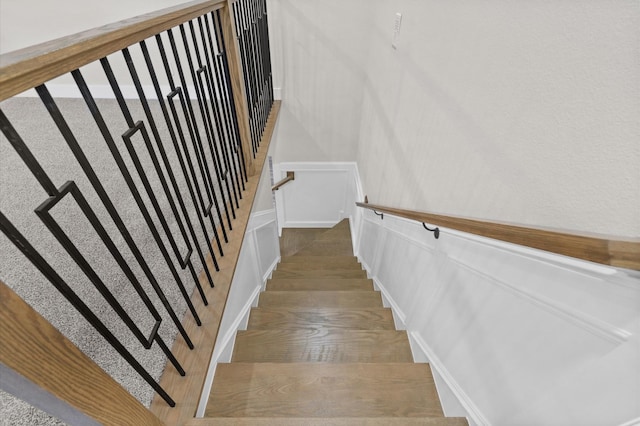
331, 421
322, 345
312, 266
320, 273
350, 319
326, 248
320, 260
323, 390
319, 284
319, 299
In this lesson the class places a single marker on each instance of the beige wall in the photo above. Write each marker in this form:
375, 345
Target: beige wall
523, 112
27, 22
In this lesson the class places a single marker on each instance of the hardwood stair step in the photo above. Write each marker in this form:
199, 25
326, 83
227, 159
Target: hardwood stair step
322, 345
351, 319
316, 266
332, 421
320, 260
320, 299
320, 273
323, 390
326, 248
319, 284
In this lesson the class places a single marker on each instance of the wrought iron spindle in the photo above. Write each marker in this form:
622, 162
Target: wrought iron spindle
106, 134
216, 20
186, 173
214, 99
177, 91
221, 101
201, 95
169, 170
55, 196
74, 146
196, 138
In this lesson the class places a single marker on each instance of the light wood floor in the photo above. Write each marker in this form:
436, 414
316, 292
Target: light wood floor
321, 349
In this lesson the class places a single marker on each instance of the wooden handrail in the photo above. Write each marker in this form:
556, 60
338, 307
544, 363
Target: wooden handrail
290, 176
26, 68
624, 253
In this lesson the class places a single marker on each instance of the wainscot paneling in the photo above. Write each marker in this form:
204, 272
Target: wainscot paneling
515, 336
259, 256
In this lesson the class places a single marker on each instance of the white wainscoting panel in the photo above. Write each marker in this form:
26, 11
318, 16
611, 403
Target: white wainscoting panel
515, 336
259, 256
319, 197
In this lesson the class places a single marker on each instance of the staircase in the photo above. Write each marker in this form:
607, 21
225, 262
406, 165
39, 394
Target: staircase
321, 349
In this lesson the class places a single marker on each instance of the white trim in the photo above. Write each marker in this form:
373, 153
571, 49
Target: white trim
587, 322
467, 403
228, 339
269, 271
277, 93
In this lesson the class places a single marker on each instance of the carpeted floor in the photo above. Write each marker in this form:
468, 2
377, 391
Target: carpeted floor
20, 194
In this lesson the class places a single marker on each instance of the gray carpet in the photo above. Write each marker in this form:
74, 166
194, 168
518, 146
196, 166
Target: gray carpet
20, 193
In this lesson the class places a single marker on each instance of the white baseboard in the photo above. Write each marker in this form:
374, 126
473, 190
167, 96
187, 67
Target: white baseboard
422, 353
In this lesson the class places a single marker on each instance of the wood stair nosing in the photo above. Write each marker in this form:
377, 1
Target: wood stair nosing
322, 345
312, 266
324, 390
329, 421
319, 284
350, 319
318, 299
320, 273
346, 260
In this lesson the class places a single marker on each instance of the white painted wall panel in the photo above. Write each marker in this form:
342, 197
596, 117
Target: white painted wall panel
317, 198
259, 256
510, 329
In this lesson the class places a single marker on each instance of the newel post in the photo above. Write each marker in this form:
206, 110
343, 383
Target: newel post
237, 84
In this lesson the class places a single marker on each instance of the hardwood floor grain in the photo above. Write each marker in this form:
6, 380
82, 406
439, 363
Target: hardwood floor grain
322, 345
324, 390
348, 319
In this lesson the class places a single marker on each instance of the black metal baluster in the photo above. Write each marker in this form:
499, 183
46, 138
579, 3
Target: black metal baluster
268, 53
181, 160
127, 136
64, 129
216, 103
257, 31
169, 169
177, 91
185, 261
197, 141
221, 101
97, 116
196, 76
217, 23
243, 44
41, 264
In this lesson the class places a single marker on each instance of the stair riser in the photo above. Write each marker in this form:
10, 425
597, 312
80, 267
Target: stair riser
326, 273
321, 346
264, 319
319, 284
314, 266
320, 299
